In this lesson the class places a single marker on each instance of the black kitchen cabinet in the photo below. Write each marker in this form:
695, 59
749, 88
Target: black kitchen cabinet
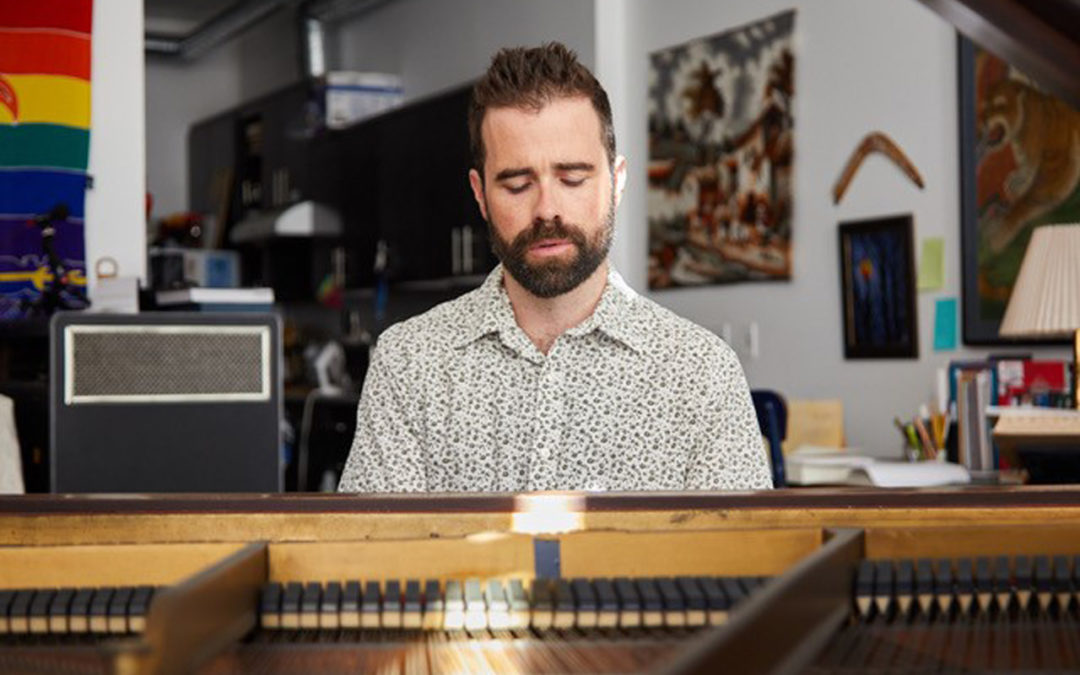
212, 148
255, 156
288, 126
400, 177
425, 203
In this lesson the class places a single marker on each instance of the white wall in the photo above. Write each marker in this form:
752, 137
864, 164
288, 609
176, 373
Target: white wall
435, 44
887, 65
179, 93
115, 224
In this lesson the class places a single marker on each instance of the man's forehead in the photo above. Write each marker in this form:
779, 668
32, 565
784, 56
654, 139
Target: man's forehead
561, 106
570, 124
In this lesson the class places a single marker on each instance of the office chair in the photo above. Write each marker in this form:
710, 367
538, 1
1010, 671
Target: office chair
327, 428
772, 418
165, 402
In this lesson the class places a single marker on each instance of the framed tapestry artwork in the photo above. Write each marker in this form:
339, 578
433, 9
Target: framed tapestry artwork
1019, 169
877, 281
721, 138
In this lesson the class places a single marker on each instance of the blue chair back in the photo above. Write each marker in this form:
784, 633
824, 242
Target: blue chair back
772, 418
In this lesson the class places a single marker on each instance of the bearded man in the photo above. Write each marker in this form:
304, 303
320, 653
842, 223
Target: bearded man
554, 374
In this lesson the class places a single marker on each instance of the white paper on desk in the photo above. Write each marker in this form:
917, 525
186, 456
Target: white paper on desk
813, 453
812, 465
909, 474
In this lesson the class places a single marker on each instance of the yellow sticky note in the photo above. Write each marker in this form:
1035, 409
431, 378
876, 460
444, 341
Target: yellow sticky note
932, 264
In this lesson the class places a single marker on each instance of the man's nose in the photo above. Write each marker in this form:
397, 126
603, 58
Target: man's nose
547, 207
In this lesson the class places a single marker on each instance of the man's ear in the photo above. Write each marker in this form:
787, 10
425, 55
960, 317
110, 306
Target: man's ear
477, 184
620, 178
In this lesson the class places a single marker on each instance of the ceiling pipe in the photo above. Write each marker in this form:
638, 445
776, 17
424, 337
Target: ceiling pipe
165, 46
313, 16
312, 39
216, 31
331, 11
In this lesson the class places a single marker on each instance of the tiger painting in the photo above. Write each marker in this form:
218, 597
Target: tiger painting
1043, 135
1027, 173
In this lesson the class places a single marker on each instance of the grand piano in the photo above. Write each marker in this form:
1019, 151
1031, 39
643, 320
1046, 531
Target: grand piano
786, 581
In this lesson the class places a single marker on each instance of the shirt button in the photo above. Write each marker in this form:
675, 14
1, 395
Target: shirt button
554, 377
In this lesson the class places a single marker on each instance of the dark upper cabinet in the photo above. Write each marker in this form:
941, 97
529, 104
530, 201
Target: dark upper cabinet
256, 156
356, 170
410, 171
273, 136
425, 203
211, 163
400, 177
289, 124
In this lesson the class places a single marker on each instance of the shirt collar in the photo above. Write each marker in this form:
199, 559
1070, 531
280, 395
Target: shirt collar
613, 316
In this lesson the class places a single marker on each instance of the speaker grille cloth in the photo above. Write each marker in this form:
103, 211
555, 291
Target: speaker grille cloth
166, 364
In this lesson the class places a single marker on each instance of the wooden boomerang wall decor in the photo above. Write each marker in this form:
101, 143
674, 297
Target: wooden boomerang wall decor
874, 142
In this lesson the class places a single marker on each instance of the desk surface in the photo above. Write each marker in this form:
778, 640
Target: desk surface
1019, 426
100, 519
406, 503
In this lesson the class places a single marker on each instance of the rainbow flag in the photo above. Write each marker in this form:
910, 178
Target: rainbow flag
44, 140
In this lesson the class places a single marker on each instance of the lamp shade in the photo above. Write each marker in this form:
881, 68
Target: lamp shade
1045, 301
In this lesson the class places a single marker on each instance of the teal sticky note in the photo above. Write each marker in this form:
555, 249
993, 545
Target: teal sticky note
945, 324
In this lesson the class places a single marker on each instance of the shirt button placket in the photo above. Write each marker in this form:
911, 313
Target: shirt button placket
549, 424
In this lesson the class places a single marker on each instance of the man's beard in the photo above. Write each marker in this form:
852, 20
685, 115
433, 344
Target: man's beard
554, 277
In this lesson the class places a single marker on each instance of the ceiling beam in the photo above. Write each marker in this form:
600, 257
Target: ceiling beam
1041, 38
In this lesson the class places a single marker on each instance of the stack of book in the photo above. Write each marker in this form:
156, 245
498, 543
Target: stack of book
217, 299
973, 396
1007, 381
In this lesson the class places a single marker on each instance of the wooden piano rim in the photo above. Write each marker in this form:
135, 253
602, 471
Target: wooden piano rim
803, 498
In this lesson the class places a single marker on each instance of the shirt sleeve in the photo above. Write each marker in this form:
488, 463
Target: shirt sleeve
731, 455
386, 453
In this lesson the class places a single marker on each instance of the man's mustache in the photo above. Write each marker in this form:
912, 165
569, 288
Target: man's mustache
548, 229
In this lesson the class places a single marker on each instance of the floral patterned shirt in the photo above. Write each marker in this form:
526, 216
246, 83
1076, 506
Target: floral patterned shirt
633, 398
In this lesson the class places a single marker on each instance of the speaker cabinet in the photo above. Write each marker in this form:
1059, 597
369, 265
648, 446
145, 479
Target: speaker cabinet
165, 402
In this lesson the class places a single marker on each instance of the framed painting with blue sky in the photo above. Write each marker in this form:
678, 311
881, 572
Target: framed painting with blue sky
877, 279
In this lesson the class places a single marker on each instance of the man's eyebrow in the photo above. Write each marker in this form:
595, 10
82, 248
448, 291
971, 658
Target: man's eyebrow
507, 174
575, 166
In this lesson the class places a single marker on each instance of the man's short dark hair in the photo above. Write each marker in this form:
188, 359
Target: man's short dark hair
529, 78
